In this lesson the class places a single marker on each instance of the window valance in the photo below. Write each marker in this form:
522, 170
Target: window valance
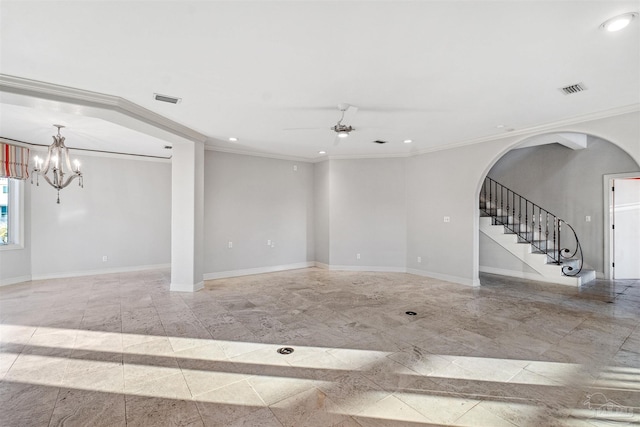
14, 161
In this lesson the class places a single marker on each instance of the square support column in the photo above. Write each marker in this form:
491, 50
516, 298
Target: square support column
187, 216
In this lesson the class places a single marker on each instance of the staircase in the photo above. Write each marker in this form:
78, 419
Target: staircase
545, 243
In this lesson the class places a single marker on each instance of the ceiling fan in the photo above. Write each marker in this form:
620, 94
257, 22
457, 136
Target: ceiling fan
342, 128
348, 112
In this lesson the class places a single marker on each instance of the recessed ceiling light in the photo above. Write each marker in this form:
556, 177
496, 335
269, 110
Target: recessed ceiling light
618, 22
233, 139
408, 141
322, 152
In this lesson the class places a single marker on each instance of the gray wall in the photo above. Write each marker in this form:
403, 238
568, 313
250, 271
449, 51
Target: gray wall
439, 184
569, 183
122, 212
250, 200
368, 213
496, 259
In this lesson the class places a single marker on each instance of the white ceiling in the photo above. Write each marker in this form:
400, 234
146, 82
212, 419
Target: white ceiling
438, 72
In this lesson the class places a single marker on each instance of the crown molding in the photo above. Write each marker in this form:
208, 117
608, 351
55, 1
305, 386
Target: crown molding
258, 154
537, 129
69, 95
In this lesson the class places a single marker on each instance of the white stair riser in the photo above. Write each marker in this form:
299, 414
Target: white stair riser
538, 262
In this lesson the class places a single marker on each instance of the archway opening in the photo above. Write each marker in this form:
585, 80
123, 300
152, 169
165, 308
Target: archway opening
563, 174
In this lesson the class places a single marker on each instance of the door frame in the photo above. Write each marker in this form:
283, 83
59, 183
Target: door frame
608, 217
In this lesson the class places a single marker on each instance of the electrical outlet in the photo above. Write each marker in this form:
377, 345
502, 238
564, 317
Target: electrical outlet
295, 168
587, 218
230, 244
447, 219
268, 242
105, 258
419, 259
357, 256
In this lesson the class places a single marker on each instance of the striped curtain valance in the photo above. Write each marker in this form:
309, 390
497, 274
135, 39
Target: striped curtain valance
14, 161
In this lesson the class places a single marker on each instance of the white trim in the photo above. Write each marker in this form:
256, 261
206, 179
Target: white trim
186, 288
99, 272
513, 273
321, 265
257, 270
454, 279
103, 154
538, 128
607, 207
14, 280
260, 154
367, 268
38, 89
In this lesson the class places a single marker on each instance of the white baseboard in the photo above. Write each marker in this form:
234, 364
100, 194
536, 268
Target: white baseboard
529, 276
367, 268
14, 280
322, 265
258, 270
454, 279
99, 272
511, 273
186, 288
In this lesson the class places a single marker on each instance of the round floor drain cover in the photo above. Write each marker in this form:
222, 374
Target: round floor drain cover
411, 313
285, 350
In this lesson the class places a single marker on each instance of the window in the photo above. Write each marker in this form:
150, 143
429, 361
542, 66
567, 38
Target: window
10, 213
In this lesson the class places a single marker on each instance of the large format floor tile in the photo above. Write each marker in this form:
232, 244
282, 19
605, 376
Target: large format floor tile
122, 350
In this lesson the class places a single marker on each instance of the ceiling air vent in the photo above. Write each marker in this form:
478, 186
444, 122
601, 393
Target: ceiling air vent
578, 87
378, 141
166, 98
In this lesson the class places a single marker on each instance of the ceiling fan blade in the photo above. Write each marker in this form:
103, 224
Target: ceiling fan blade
305, 129
349, 114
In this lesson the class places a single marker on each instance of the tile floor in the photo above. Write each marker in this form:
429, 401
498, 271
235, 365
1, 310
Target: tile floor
120, 349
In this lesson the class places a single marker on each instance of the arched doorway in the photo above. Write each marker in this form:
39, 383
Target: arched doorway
564, 173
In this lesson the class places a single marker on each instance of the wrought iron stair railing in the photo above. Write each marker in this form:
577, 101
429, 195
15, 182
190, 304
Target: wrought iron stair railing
534, 225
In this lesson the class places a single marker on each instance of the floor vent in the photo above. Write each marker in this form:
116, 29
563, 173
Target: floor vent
578, 87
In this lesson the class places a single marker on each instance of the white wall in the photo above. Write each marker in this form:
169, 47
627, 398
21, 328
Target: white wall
123, 212
368, 213
250, 200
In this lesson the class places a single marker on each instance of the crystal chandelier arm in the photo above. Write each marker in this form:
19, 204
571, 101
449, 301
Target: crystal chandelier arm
47, 161
71, 178
67, 160
46, 178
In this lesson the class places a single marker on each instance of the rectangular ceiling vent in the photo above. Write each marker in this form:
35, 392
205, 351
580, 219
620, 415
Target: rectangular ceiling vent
379, 141
166, 98
578, 87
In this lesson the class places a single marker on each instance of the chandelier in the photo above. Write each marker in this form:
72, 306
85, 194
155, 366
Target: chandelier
56, 168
